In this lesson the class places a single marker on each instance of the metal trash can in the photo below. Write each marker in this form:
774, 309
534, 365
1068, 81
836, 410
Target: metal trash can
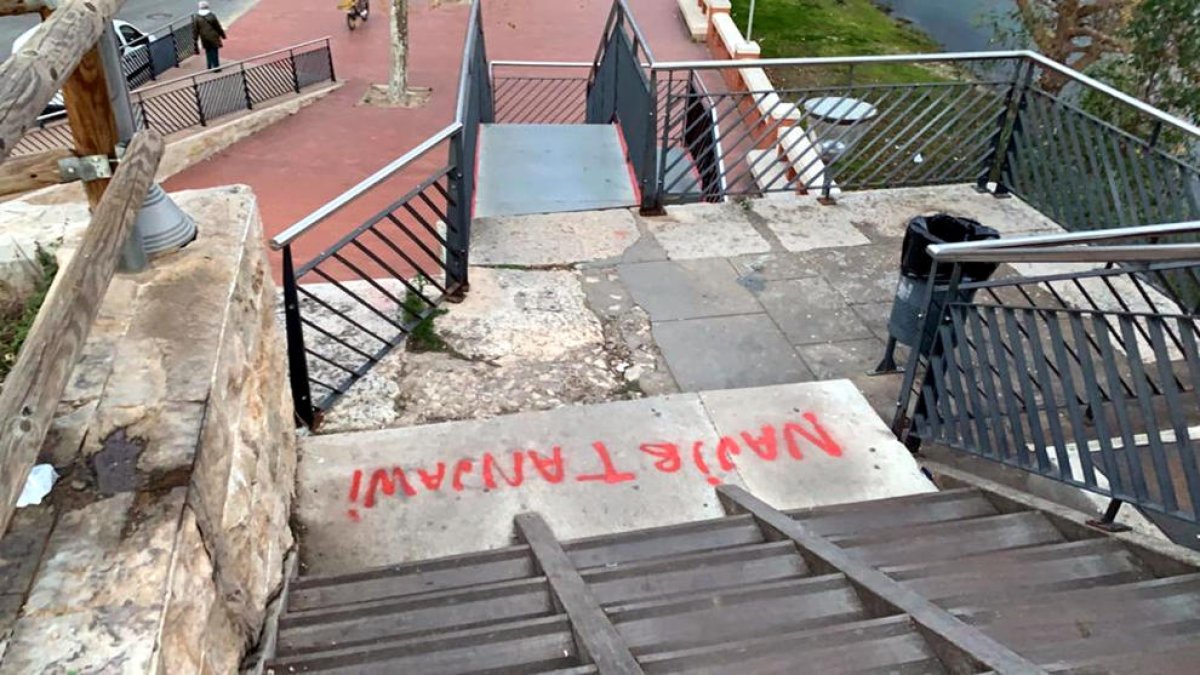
916, 267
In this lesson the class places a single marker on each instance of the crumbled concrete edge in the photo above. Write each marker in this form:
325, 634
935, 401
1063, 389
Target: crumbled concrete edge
1164, 557
190, 148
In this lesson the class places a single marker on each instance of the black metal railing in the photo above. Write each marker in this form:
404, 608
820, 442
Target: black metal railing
159, 51
360, 297
1089, 377
621, 89
198, 100
540, 92
1012, 122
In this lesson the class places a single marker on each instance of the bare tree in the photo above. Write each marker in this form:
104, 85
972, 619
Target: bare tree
398, 82
1075, 32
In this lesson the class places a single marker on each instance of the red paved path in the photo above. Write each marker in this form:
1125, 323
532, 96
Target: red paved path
301, 163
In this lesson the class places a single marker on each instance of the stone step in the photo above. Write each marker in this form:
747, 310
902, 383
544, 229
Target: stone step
704, 571
372, 499
412, 616
314, 592
657, 626
994, 577
947, 540
890, 645
898, 512
532, 646
659, 542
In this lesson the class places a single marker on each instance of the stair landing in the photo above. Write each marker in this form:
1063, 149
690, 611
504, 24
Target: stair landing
551, 168
382, 497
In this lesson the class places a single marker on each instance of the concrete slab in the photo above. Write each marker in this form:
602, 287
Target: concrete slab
834, 360
846, 452
799, 225
552, 239
688, 289
375, 498
551, 168
769, 266
706, 231
728, 352
864, 273
810, 311
380, 497
885, 213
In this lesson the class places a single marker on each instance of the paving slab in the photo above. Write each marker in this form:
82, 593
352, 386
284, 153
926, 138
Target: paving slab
834, 360
777, 265
687, 289
801, 225
810, 311
380, 497
549, 168
864, 273
552, 239
885, 213
728, 352
832, 449
706, 230
364, 501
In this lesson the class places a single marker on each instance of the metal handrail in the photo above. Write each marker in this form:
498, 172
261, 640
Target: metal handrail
1081, 254
289, 235
988, 250
464, 70
637, 31
1040, 59
233, 64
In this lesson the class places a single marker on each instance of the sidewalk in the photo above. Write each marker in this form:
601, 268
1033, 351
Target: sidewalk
303, 162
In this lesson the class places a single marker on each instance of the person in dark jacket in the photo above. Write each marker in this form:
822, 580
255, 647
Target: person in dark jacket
207, 29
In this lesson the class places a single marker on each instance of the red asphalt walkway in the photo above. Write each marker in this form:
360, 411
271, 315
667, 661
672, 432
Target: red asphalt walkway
304, 161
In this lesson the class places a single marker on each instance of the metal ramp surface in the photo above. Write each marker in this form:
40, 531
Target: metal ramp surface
551, 168
957, 581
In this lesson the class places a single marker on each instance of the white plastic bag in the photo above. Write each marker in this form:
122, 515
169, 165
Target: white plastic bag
37, 486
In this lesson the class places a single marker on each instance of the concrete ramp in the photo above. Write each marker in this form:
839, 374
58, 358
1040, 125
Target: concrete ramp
551, 168
380, 497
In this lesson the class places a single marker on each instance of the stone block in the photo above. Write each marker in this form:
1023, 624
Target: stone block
728, 352
810, 311
706, 231
552, 239
687, 290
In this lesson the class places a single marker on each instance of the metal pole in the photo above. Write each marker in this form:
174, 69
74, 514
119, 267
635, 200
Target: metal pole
750, 23
133, 253
297, 356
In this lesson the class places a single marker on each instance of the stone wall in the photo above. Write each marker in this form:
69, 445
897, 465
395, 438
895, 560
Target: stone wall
164, 539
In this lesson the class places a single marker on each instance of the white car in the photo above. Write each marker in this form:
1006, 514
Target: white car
129, 38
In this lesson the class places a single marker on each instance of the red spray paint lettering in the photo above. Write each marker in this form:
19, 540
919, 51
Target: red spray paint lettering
516, 468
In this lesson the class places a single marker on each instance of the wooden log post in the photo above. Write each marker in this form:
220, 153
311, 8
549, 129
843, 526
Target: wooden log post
30, 172
15, 7
32, 76
90, 113
44, 364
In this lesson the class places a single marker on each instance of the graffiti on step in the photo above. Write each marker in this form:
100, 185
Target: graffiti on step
704, 459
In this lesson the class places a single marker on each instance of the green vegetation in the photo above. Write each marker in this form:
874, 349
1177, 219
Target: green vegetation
16, 321
786, 28
422, 337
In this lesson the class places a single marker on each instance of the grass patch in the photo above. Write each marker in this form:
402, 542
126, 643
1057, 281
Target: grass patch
16, 321
423, 336
798, 28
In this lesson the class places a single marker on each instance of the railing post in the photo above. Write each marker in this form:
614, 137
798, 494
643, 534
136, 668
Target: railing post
295, 75
1108, 522
1009, 122
199, 101
246, 88
297, 358
329, 55
458, 215
651, 182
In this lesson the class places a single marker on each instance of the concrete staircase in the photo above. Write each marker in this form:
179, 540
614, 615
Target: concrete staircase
745, 593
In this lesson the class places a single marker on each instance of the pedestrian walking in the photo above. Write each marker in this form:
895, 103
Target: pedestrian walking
207, 29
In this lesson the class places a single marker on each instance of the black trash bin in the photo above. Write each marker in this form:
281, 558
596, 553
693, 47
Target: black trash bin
916, 267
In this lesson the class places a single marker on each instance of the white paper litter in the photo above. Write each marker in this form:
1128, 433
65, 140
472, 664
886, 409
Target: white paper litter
37, 486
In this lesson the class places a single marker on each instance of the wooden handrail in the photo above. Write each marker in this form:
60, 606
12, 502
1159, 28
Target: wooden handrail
44, 364
32, 76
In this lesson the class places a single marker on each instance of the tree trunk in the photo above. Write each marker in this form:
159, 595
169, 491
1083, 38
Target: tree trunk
398, 83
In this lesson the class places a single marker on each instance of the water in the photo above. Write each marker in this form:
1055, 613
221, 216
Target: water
960, 25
